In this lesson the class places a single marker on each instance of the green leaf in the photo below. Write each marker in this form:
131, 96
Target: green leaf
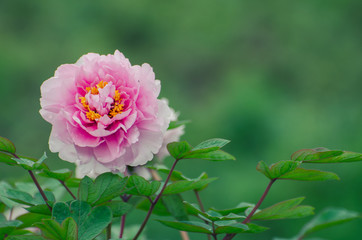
285, 209
302, 174
140, 186
328, 218
174, 205
178, 149
232, 228
6, 227
90, 222
61, 174
31, 163
216, 155
185, 185
28, 219
324, 155
20, 197
238, 209
73, 182
159, 209
118, 208
253, 228
41, 209
53, 230
176, 124
7, 159
6, 145
278, 169
25, 237
188, 226
214, 144
106, 187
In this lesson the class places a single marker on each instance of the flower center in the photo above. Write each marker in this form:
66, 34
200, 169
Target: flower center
101, 100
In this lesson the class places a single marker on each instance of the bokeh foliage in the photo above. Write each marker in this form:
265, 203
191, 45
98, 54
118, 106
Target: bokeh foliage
272, 76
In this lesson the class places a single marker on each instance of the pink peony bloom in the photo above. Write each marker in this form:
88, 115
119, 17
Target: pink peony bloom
105, 114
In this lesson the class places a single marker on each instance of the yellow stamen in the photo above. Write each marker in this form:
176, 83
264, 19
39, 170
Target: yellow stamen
102, 84
91, 115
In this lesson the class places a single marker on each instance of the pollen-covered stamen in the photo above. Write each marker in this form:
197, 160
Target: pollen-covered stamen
115, 108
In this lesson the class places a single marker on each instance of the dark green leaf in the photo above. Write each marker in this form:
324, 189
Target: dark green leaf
302, 174
20, 197
238, 209
73, 182
188, 226
6, 145
6, 158
41, 209
211, 143
28, 219
53, 230
184, 185
323, 155
31, 163
159, 209
253, 228
6, 227
232, 228
178, 149
285, 209
61, 211
25, 237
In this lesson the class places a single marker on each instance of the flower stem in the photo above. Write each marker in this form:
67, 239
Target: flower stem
109, 231
39, 189
247, 219
68, 190
155, 201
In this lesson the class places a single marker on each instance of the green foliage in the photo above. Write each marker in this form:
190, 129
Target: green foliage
6, 145
178, 149
61, 174
176, 124
324, 155
106, 187
139, 186
302, 174
188, 226
186, 185
278, 169
7, 227
285, 209
56, 231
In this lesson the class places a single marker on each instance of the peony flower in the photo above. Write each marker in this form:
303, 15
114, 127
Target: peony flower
105, 114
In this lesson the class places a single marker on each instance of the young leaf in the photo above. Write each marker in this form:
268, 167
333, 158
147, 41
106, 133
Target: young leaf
302, 174
328, 218
140, 186
324, 155
285, 209
216, 155
7, 159
210, 145
278, 169
6, 145
188, 226
178, 149
238, 209
176, 124
232, 228
184, 185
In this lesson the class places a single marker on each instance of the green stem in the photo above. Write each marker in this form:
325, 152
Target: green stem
155, 201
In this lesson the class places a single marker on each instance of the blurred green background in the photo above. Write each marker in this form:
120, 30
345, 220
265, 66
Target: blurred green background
272, 76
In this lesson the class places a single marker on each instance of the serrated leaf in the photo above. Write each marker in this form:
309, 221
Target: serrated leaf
6, 145
178, 149
140, 186
61, 174
324, 155
216, 155
302, 174
328, 218
188, 226
286, 209
174, 205
278, 169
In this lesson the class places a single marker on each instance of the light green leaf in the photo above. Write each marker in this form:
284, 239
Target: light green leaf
176, 124
188, 226
324, 155
174, 205
328, 218
28, 219
6, 145
185, 185
232, 228
6, 227
53, 230
238, 209
286, 209
302, 174
25, 237
7, 159
216, 155
178, 149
